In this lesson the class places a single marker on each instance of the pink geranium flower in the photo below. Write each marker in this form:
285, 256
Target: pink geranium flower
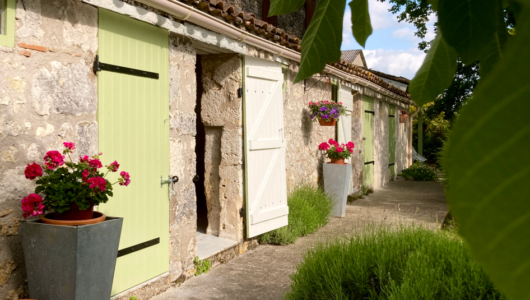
124, 180
68, 145
340, 103
333, 142
95, 163
84, 159
113, 167
339, 149
98, 183
53, 159
32, 205
323, 146
350, 145
85, 175
33, 171
310, 102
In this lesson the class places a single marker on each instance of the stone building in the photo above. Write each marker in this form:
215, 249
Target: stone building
195, 113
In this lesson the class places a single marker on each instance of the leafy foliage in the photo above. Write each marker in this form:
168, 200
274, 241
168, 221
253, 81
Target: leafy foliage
468, 25
436, 132
279, 7
435, 74
360, 20
201, 266
489, 166
392, 263
64, 186
322, 40
419, 171
309, 209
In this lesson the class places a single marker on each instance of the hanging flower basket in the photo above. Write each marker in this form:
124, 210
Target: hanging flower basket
337, 152
326, 112
403, 117
327, 123
70, 189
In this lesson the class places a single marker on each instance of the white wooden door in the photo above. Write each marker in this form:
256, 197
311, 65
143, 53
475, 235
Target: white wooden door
346, 97
266, 187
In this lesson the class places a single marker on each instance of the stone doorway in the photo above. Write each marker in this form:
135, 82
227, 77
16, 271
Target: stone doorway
217, 180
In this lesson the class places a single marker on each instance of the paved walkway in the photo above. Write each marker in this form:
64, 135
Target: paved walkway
264, 272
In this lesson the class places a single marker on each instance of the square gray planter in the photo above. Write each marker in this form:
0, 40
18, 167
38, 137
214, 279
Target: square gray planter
336, 183
71, 262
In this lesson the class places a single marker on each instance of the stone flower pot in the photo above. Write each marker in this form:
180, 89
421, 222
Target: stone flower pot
403, 118
71, 262
336, 183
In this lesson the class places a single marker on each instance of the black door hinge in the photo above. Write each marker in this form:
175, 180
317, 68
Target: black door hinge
239, 92
99, 66
242, 212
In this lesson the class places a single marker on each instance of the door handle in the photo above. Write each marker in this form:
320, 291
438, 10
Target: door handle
170, 180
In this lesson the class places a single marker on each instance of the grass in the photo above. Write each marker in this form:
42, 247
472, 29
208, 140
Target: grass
309, 209
398, 263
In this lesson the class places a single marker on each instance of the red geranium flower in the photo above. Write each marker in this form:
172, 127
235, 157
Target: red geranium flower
33, 171
113, 167
98, 183
32, 205
95, 163
124, 180
68, 145
323, 146
53, 159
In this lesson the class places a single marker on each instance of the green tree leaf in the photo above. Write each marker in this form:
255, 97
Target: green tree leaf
468, 25
493, 52
489, 165
436, 72
322, 40
280, 7
360, 20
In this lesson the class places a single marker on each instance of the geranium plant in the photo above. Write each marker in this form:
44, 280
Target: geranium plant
64, 183
326, 110
336, 151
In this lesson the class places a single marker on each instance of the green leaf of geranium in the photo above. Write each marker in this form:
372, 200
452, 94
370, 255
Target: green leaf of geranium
468, 25
322, 40
489, 165
280, 7
436, 72
360, 20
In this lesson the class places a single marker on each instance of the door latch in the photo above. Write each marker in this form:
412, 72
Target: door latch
170, 180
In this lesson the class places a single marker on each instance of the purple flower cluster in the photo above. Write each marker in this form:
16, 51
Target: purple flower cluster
326, 110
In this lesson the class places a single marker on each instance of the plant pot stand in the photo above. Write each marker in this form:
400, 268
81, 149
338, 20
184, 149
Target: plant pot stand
336, 183
71, 262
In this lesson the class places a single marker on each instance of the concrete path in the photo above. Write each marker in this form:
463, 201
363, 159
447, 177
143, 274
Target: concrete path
264, 272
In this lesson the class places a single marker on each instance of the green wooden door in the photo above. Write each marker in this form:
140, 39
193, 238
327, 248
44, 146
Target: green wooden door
134, 130
392, 140
368, 141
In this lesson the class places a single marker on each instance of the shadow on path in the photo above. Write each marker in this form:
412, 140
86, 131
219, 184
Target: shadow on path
264, 272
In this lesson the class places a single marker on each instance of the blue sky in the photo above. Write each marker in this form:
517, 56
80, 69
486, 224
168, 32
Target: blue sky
392, 48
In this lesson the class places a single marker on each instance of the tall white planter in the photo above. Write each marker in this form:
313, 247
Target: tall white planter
336, 183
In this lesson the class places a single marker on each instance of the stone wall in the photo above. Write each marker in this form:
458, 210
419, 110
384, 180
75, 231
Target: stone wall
357, 160
293, 23
402, 137
182, 209
47, 95
222, 117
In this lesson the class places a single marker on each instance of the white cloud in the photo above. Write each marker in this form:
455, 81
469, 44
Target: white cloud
380, 17
405, 32
346, 29
396, 62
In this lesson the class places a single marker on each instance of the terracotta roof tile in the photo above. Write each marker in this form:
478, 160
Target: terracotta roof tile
248, 21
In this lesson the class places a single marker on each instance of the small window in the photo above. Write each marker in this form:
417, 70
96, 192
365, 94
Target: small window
7, 23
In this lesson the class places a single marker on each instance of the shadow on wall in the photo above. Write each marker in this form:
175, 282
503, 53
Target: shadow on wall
306, 126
